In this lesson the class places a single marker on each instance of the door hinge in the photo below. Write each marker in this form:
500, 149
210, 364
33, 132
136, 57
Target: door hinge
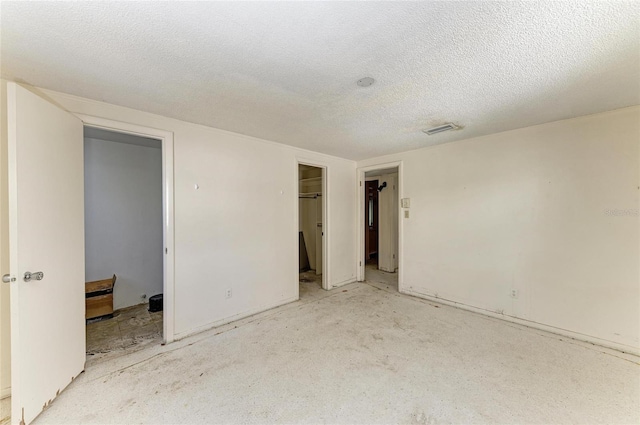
360, 184
360, 263
166, 250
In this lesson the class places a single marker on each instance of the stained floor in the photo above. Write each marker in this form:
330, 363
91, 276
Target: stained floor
361, 354
311, 286
130, 329
372, 274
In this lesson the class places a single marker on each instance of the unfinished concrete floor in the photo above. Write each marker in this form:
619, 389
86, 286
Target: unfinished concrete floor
310, 285
130, 329
372, 274
360, 353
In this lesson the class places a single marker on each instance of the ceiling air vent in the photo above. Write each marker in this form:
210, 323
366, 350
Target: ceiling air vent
441, 128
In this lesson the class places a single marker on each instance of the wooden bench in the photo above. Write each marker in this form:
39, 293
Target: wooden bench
99, 298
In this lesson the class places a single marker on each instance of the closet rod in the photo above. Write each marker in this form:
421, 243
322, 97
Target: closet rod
309, 195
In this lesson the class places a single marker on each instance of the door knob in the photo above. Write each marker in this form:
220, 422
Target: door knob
7, 278
28, 276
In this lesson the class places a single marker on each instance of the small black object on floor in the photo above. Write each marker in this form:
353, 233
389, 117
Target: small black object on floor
155, 303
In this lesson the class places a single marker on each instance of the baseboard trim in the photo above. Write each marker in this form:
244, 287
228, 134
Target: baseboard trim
239, 316
628, 349
344, 282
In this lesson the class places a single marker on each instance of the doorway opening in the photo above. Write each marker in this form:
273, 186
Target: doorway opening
380, 206
372, 221
311, 252
124, 247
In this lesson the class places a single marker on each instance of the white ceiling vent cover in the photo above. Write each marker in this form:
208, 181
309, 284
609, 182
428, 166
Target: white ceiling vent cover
439, 129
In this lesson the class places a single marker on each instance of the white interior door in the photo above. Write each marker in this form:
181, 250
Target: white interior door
46, 234
319, 234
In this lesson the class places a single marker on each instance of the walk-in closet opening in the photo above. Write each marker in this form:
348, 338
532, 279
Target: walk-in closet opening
123, 241
310, 228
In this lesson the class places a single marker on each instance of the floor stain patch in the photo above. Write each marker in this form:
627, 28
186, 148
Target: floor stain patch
129, 327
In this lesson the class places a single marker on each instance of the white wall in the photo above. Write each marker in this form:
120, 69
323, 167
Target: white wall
220, 242
307, 219
123, 218
5, 316
529, 210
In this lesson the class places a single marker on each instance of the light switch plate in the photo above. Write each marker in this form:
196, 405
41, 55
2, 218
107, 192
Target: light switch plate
405, 202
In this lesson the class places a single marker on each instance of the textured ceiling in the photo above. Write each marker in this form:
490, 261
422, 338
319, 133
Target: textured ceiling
287, 72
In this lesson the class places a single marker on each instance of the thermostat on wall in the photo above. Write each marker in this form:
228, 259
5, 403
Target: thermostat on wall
404, 202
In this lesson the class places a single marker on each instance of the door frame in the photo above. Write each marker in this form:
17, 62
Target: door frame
360, 186
325, 219
166, 137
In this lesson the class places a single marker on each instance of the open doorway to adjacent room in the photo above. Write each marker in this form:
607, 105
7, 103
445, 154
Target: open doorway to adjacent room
311, 204
123, 176
380, 207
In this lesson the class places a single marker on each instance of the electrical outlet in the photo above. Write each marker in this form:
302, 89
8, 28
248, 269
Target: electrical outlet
228, 293
406, 214
514, 293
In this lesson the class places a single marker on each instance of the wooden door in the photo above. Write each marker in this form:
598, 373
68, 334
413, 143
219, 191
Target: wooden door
371, 219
